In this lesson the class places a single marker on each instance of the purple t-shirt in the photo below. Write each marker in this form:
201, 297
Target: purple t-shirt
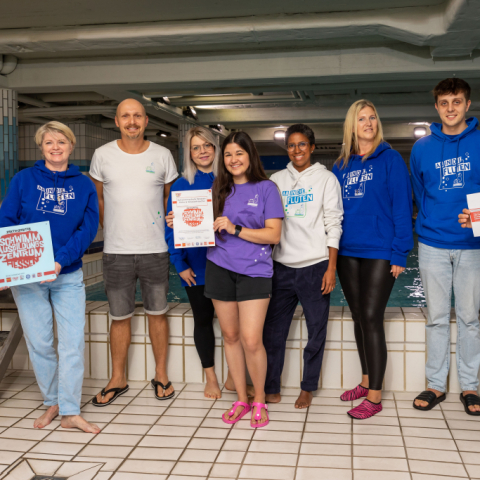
249, 205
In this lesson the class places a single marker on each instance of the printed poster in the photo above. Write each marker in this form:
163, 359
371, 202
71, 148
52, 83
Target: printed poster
26, 254
193, 222
473, 201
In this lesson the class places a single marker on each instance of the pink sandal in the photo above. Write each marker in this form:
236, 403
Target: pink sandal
246, 409
258, 415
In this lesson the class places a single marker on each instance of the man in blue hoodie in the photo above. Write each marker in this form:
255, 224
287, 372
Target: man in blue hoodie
445, 168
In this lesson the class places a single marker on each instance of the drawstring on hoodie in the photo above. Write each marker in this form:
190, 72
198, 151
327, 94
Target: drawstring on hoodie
55, 184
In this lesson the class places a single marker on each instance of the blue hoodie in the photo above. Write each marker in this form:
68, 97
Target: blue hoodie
184, 258
377, 203
68, 200
445, 169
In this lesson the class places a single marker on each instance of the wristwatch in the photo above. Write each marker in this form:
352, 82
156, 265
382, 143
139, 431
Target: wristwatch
238, 229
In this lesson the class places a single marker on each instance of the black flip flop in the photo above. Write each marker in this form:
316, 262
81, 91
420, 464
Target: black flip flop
468, 401
430, 398
117, 392
156, 384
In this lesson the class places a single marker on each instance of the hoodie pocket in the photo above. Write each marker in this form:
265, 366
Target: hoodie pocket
442, 222
361, 232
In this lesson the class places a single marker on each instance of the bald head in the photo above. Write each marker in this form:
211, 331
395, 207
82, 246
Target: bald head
131, 118
130, 104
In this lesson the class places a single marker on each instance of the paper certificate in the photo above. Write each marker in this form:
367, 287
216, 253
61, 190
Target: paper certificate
26, 254
193, 222
473, 201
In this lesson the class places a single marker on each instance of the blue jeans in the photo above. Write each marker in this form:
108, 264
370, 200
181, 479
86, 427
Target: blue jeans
60, 381
440, 269
289, 286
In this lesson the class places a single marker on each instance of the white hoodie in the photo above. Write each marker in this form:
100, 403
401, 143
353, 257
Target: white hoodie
313, 208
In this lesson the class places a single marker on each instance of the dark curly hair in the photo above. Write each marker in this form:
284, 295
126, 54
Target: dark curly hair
300, 128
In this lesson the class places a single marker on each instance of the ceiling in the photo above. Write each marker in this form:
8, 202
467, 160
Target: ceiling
250, 65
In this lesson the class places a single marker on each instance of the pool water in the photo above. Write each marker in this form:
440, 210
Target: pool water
407, 292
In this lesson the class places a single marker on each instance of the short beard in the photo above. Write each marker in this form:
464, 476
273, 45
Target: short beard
133, 137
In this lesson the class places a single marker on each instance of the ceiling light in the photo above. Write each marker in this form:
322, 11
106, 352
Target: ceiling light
164, 100
190, 112
218, 127
279, 135
161, 133
419, 132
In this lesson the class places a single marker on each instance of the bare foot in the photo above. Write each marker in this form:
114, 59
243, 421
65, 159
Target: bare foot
230, 386
46, 418
113, 383
212, 390
160, 391
237, 412
76, 421
262, 412
422, 403
472, 408
273, 398
304, 400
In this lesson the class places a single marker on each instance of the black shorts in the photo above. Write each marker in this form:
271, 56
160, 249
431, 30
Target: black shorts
227, 286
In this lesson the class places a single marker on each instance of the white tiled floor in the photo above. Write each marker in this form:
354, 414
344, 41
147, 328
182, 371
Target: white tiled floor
185, 439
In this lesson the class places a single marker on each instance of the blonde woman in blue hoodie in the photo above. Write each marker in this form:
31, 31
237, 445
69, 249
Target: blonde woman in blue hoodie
56, 192
377, 237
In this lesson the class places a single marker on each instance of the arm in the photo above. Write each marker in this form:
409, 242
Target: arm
166, 194
99, 187
333, 217
401, 200
270, 234
83, 236
178, 256
329, 279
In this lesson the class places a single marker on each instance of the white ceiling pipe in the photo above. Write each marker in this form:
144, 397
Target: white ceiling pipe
73, 97
8, 64
436, 26
32, 101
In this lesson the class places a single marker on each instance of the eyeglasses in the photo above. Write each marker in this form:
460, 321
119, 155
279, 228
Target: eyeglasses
199, 148
301, 146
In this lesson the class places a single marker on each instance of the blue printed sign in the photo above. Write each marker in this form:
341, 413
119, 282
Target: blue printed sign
26, 254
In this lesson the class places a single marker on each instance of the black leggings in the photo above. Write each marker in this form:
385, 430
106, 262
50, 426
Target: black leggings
367, 284
203, 335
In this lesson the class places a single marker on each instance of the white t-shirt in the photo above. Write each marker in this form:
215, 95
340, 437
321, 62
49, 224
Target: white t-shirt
134, 218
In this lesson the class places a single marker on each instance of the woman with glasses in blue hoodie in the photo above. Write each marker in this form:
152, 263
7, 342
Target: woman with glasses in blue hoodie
54, 191
377, 237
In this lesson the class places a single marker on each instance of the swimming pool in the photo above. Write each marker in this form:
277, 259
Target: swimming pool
407, 292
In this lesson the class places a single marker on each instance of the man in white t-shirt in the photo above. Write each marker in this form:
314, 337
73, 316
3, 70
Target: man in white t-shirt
133, 178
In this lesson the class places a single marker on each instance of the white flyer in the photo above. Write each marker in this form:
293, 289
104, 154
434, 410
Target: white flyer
193, 222
473, 201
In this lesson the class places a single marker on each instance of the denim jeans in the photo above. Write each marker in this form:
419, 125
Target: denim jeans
289, 286
60, 380
440, 269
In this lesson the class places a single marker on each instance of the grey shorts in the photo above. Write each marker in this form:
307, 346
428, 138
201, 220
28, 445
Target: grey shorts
120, 274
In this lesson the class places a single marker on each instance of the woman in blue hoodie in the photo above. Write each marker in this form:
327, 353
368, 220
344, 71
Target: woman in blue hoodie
56, 192
377, 236
201, 156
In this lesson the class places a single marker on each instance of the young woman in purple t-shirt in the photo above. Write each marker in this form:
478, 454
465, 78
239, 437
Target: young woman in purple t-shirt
248, 219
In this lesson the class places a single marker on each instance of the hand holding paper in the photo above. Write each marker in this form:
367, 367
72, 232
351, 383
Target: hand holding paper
474, 213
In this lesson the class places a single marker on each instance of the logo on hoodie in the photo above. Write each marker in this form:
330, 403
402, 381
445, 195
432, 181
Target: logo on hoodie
295, 202
452, 172
354, 183
54, 202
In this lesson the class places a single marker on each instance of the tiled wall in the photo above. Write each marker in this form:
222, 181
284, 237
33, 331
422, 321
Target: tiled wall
405, 332
8, 138
89, 138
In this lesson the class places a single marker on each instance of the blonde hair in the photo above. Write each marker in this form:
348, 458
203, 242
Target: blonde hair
54, 128
189, 167
350, 137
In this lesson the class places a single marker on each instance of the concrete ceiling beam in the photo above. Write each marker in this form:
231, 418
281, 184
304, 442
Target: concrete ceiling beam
351, 66
451, 31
